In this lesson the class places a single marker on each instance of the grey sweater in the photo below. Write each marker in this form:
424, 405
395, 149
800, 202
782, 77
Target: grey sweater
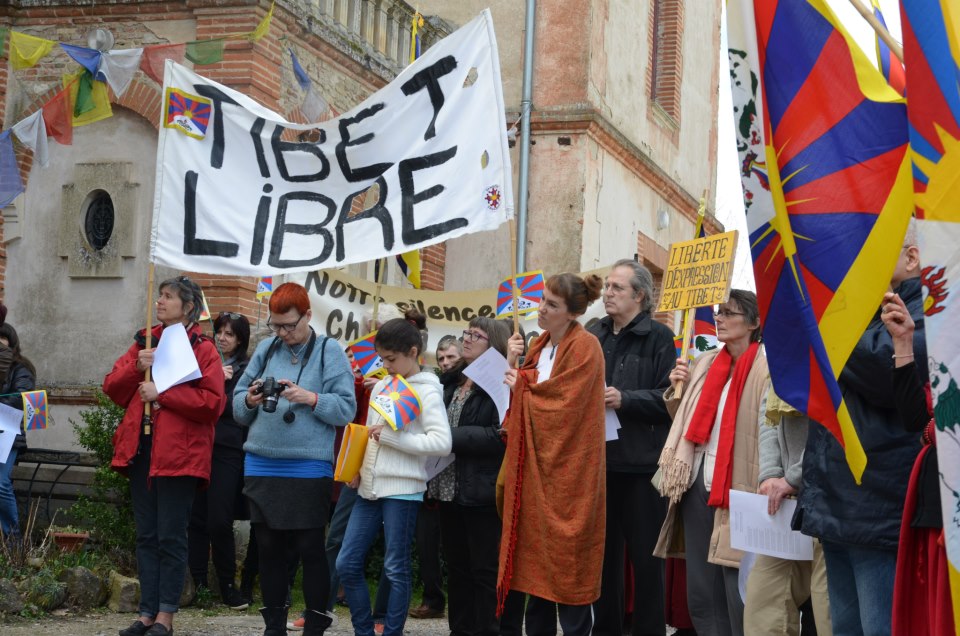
781, 447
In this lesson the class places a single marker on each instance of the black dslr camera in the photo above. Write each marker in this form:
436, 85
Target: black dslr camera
271, 390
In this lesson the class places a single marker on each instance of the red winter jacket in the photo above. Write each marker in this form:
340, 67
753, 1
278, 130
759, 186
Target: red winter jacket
184, 423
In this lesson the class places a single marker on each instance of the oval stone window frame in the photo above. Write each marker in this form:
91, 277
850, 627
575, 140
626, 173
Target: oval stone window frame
99, 219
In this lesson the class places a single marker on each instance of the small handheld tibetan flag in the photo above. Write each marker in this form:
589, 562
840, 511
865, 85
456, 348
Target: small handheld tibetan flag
365, 355
34, 410
187, 113
530, 288
397, 402
264, 287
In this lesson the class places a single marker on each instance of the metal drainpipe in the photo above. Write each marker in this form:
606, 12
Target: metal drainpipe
525, 107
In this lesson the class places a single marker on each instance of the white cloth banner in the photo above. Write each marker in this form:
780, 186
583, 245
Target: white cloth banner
422, 160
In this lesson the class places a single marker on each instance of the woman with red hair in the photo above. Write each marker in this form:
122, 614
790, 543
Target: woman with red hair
297, 388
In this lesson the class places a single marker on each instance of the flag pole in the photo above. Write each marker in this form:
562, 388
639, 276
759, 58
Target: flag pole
686, 324
380, 271
513, 274
882, 32
148, 334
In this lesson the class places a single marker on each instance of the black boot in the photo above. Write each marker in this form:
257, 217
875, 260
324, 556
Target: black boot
231, 597
275, 620
315, 623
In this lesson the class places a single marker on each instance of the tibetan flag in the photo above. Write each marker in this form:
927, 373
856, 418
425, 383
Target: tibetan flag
26, 50
931, 48
826, 230
397, 402
264, 287
205, 310
889, 65
409, 264
530, 287
34, 410
365, 355
190, 114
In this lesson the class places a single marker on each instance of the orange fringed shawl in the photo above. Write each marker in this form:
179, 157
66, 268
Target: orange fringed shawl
555, 476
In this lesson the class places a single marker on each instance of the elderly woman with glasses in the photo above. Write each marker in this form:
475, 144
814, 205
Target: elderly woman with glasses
297, 389
211, 523
167, 454
712, 448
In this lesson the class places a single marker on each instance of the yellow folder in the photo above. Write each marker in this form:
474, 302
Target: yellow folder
351, 453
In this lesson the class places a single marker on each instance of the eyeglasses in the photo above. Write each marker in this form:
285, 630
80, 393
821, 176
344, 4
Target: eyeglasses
726, 313
275, 328
614, 287
473, 336
231, 315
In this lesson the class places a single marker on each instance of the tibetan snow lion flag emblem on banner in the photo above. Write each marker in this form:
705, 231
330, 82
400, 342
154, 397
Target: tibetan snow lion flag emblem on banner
397, 402
187, 113
34, 410
822, 140
931, 49
530, 289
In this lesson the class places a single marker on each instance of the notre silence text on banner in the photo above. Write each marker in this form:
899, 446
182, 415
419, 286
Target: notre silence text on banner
422, 160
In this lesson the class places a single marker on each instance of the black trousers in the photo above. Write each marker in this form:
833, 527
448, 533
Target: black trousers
471, 544
541, 618
635, 514
428, 547
211, 521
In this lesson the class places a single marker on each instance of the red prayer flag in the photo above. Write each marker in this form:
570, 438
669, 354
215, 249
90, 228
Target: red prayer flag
154, 57
58, 117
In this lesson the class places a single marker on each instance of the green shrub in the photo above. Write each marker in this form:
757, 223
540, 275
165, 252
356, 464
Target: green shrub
109, 511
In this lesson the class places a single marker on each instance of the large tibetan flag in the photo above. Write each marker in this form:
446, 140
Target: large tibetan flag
34, 410
397, 402
931, 47
822, 142
887, 62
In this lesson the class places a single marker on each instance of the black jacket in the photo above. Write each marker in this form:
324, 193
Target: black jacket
831, 505
228, 433
19, 380
476, 443
642, 360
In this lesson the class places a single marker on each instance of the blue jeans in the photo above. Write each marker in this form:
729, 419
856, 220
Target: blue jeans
860, 585
398, 518
9, 517
161, 511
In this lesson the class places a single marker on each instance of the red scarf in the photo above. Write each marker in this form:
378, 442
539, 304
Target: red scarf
706, 414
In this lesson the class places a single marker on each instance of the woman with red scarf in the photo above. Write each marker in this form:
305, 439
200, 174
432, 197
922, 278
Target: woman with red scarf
712, 449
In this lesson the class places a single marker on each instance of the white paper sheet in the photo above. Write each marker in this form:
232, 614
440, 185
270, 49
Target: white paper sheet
753, 530
437, 464
611, 424
10, 421
487, 372
174, 361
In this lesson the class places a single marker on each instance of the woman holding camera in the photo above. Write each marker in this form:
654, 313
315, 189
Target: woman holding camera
298, 387
166, 456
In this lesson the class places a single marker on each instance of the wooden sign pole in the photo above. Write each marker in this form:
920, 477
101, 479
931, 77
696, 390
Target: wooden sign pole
147, 421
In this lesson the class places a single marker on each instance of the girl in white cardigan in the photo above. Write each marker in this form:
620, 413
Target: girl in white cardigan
392, 479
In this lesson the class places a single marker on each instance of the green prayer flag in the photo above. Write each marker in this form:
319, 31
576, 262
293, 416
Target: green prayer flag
3, 42
85, 101
205, 51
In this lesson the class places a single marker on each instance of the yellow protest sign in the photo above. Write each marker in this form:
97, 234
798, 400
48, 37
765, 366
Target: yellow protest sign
699, 272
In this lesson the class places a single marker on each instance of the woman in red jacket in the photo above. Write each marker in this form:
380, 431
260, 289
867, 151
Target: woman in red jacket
169, 461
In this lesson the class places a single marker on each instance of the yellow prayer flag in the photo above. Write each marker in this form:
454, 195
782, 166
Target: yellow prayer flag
264, 25
27, 50
99, 94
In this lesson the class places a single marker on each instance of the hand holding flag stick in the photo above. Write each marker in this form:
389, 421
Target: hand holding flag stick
688, 315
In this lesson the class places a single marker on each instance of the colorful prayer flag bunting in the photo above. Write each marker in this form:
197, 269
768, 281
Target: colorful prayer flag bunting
117, 68
58, 118
90, 100
87, 58
26, 50
397, 402
205, 51
34, 410
32, 133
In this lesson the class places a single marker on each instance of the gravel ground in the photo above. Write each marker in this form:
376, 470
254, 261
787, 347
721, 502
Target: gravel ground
189, 622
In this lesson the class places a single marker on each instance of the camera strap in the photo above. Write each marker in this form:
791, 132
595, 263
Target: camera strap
313, 341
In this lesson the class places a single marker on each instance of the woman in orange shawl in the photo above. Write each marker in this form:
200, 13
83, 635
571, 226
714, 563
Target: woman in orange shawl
551, 546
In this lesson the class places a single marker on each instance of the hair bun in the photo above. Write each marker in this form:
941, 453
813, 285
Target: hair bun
594, 285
